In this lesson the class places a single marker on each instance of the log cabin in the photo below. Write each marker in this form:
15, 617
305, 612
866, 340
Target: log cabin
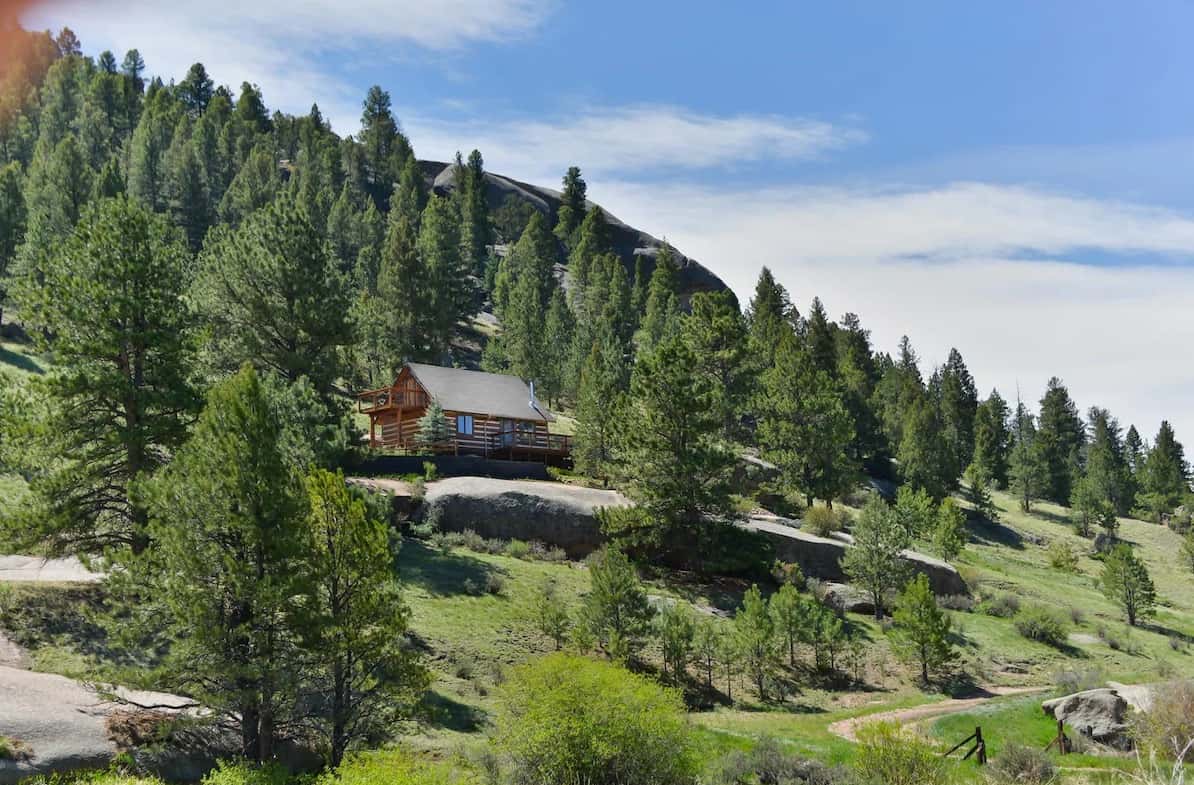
488, 414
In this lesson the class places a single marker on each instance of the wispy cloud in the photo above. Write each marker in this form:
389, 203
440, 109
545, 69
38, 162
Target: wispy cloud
639, 141
279, 44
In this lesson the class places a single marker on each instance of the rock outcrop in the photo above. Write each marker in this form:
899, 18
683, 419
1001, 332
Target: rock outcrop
626, 241
553, 513
1098, 715
820, 557
847, 598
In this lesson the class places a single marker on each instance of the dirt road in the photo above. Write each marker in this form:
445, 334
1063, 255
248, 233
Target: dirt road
848, 729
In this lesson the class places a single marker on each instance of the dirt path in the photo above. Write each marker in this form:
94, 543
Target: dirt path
34, 569
848, 729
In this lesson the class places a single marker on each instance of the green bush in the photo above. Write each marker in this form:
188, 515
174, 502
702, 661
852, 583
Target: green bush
243, 773
1003, 606
518, 549
1041, 624
1020, 764
822, 521
395, 767
886, 754
1062, 556
569, 719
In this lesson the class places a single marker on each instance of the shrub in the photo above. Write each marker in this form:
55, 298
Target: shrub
1003, 606
518, 549
891, 756
471, 540
1041, 624
1019, 764
495, 583
1079, 680
767, 762
472, 587
1169, 727
1062, 556
823, 521
957, 602
1077, 615
784, 572
418, 491
430, 473
244, 773
394, 767
567, 719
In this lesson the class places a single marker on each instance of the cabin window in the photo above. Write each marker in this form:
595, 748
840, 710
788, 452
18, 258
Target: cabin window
464, 424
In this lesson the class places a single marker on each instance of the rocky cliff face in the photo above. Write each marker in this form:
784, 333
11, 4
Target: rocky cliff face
629, 243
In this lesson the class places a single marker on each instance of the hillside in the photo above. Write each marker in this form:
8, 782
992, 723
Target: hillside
506, 195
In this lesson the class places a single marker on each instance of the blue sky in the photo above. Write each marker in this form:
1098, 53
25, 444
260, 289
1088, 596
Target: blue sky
1011, 178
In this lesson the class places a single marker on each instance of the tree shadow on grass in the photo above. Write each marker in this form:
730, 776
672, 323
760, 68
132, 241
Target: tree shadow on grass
17, 360
442, 711
987, 532
442, 574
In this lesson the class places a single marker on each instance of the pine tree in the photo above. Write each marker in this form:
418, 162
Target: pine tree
874, 561
803, 428
1126, 582
662, 315
229, 511
681, 470
921, 632
675, 628
959, 405
111, 310
1062, 436
148, 150
993, 439
56, 191
616, 612
524, 298
790, 616
769, 317
449, 286
1165, 477
754, 631
403, 295
386, 150
978, 492
551, 613
592, 241
717, 333
186, 194
858, 375
572, 212
196, 90
819, 333
599, 406
255, 186
12, 221
372, 676
1106, 470
475, 231
433, 427
949, 531
924, 452
250, 114
1027, 471
560, 327
271, 295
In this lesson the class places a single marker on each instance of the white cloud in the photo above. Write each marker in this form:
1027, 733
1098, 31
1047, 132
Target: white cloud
276, 43
933, 264
630, 140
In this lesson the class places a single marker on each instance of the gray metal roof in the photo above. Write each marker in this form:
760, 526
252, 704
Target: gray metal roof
478, 392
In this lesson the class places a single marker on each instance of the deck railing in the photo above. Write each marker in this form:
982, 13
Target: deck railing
526, 440
390, 398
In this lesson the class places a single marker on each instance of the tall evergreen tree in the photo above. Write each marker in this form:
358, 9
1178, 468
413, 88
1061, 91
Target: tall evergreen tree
450, 287
681, 470
403, 294
717, 333
1126, 582
148, 151
196, 90
770, 316
858, 374
111, 310
56, 191
228, 522
662, 315
993, 438
924, 451
592, 241
1062, 436
12, 221
874, 562
475, 231
1028, 474
385, 148
803, 427
560, 329
1165, 478
572, 212
921, 631
959, 406
271, 295
599, 405
819, 338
